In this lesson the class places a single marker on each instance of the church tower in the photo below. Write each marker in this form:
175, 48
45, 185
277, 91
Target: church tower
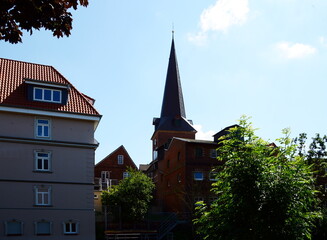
172, 121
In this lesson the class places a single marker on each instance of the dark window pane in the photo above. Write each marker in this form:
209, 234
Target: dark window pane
47, 94
46, 131
73, 227
56, 96
42, 154
39, 131
39, 163
67, 227
41, 121
46, 164
38, 94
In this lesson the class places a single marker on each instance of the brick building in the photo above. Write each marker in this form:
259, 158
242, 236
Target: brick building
109, 171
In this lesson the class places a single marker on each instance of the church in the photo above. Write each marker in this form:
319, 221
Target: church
181, 166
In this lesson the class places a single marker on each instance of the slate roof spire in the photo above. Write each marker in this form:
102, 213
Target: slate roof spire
173, 102
173, 116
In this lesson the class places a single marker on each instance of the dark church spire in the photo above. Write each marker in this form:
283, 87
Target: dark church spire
173, 117
173, 102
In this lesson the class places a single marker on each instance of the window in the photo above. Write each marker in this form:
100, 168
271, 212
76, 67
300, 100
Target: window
212, 176
125, 175
168, 163
71, 227
95, 196
198, 176
104, 175
42, 161
42, 195
198, 152
155, 155
120, 159
42, 128
213, 153
178, 156
47, 95
43, 227
14, 228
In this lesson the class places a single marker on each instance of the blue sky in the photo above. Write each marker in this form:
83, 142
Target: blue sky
262, 58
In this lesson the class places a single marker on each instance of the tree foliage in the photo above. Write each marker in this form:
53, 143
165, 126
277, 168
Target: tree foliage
131, 196
264, 191
315, 155
29, 15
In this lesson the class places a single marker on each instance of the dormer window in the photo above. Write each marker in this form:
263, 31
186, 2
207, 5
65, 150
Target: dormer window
42, 91
47, 95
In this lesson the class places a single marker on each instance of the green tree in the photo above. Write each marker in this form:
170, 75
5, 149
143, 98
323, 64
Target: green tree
316, 158
264, 191
29, 15
131, 196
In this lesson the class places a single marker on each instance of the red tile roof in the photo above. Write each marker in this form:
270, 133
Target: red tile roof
13, 89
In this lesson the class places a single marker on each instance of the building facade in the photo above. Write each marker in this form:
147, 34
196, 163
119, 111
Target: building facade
47, 150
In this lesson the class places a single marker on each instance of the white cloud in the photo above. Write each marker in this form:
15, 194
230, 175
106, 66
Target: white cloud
224, 14
295, 50
221, 16
201, 135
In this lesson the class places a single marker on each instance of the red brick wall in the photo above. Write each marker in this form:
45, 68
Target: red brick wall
110, 163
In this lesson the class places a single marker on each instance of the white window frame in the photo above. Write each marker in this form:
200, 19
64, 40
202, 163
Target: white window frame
42, 99
45, 195
126, 175
47, 158
42, 221
213, 153
7, 233
105, 175
120, 159
198, 178
43, 126
70, 230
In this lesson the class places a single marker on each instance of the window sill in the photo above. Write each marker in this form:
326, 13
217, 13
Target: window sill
42, 206
40, 171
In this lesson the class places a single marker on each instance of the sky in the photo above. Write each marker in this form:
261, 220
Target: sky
266, 59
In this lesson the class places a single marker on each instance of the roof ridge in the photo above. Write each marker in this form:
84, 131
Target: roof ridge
14, 60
